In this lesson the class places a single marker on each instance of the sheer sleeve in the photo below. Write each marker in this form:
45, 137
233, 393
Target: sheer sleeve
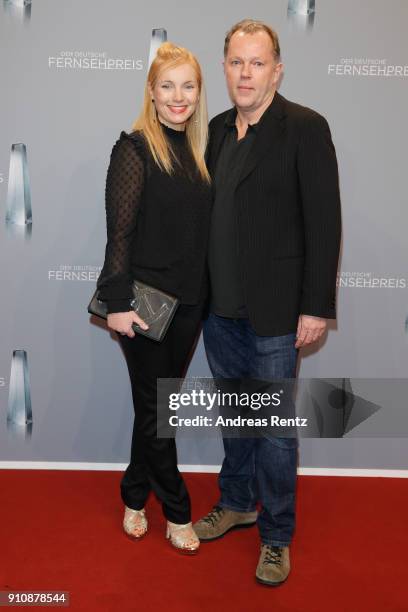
124, 186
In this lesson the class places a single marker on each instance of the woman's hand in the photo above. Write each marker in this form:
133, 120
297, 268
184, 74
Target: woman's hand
121, 322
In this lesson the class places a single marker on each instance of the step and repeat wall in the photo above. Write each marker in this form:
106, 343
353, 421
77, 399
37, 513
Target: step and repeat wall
72, 77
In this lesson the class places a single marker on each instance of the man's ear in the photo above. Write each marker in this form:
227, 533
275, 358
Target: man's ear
278, 71
223, 65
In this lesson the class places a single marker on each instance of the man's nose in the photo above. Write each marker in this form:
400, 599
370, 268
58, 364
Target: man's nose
246, 70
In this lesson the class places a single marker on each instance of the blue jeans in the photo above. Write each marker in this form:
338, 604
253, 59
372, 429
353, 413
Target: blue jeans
264, 468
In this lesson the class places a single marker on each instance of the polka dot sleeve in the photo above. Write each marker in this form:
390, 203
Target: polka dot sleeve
124, 186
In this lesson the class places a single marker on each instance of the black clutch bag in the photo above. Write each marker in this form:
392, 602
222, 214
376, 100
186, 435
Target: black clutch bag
155, 307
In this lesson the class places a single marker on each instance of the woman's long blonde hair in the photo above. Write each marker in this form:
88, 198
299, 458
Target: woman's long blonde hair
169, 56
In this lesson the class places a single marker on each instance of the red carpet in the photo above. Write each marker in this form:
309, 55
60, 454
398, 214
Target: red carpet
62, 531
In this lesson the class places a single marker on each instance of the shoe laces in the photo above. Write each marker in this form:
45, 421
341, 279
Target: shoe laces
214, 516
273, 555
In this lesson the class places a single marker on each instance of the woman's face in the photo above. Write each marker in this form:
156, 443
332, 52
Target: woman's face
175, 95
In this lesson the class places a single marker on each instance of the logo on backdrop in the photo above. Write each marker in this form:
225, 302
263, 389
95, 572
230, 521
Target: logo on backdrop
366, 67
334, 407
370, 280
19, 411
75, 273
159, 36
92, 60
301, 13
19, 215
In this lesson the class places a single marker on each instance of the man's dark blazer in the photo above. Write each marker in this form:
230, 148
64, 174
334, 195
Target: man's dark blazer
288, 217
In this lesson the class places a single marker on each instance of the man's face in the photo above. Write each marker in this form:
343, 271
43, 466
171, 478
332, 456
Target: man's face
251, 70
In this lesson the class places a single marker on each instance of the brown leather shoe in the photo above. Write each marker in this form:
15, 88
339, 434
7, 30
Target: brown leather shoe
273, 565
220, 520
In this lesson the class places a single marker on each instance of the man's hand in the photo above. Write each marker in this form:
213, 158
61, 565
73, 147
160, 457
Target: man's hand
309, 330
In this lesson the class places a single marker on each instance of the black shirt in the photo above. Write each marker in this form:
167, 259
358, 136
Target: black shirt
227, 294
157, 224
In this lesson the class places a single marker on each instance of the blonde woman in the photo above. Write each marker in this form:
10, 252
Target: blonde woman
158, 205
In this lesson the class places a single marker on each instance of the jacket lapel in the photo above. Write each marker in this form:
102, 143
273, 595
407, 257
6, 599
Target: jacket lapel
267, 137
268, 134
215, 147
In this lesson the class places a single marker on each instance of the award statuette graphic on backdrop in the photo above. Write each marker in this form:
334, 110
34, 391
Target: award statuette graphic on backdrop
301, 13
301, 7
20, 9
19, 215
159, 36
19, 412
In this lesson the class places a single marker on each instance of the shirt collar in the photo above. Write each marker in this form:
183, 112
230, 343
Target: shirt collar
232, 114
230, 121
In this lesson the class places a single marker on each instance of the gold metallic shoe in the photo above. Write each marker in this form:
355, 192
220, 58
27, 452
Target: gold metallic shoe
183, 537
135, 523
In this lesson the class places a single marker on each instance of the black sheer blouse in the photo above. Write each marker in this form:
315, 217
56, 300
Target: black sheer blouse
157, 224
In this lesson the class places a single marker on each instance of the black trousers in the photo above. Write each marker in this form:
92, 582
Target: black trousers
153, 461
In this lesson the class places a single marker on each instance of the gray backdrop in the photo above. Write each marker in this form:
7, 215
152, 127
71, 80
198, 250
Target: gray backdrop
348, 60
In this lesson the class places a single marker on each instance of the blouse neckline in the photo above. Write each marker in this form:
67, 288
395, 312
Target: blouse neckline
176, 134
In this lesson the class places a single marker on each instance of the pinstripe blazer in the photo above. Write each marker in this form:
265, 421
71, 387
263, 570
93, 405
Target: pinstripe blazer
288, 214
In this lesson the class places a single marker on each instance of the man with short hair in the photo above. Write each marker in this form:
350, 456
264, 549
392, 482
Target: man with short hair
273, 255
